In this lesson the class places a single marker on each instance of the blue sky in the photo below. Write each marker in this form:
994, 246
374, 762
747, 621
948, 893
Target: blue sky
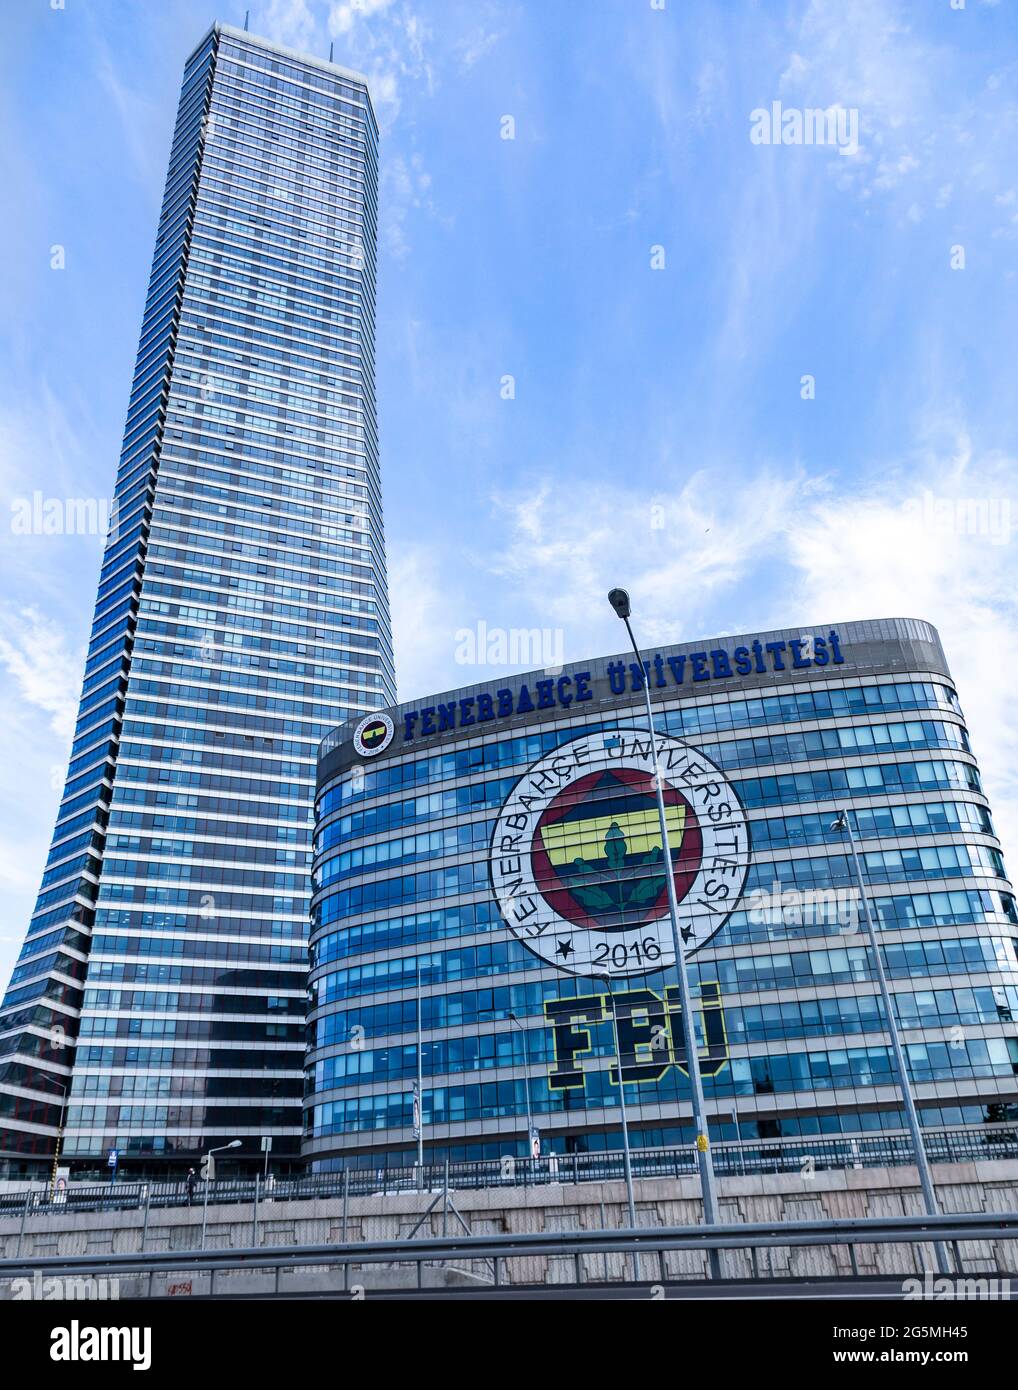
658, 436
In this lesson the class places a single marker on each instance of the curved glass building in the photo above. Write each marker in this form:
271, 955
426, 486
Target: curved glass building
500, 845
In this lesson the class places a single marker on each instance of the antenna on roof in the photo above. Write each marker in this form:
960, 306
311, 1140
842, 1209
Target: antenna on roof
331, 47
247, 16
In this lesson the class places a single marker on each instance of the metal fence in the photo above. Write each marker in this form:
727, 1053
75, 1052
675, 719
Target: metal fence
730, 1160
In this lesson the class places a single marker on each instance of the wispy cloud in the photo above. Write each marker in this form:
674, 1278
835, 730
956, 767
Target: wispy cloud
684, 552
423, 620
35, 654
936, 538
927, 113
39, 684
941, 543
405, 189
477, 46
346, 13
133, 108
40, 679
390, 43
291, 23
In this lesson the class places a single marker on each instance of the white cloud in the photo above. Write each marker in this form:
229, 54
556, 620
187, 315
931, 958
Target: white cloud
859, 55
344, 15
920, 108
34, 653
291, 23
42, 441
405, 189
682, 555
38, 703
477, 46
423, 621
938, 540
938, 546
388, 45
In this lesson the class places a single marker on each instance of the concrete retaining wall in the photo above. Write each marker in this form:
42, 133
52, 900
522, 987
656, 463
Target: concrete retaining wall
841, 1194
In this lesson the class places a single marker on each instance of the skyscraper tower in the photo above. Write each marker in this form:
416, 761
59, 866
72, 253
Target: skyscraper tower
157, 1007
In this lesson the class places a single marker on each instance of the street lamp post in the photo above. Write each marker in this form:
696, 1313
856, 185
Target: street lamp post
60, 1139
844, 823
207, 1165
514, 1018
420, 1080
626, 1159
619, 600
526, 1082
627, 1165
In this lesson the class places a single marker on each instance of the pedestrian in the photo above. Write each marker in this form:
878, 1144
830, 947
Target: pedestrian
192, 1183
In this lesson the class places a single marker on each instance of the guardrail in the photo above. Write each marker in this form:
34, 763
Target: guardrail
730, 1160
650, 1247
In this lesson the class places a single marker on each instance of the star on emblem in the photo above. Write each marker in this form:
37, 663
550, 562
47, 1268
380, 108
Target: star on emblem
565, 948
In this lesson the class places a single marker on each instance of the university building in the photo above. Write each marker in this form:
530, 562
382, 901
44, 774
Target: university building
490, 860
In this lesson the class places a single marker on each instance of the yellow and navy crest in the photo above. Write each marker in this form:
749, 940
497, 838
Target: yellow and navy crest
578, 861
373, 734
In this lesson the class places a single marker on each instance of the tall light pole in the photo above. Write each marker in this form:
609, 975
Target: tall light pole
420, 1079
210, 1169
526, 1082
60, 1138
514, 1018
844, 823
619, 600
627, 1164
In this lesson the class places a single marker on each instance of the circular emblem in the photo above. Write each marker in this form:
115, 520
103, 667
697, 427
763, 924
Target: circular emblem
373, 734
577, 862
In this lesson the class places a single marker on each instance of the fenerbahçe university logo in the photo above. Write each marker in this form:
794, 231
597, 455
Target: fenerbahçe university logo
577, 863
373, 734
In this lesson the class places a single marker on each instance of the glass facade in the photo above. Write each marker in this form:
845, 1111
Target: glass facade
242, 611
501, 844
